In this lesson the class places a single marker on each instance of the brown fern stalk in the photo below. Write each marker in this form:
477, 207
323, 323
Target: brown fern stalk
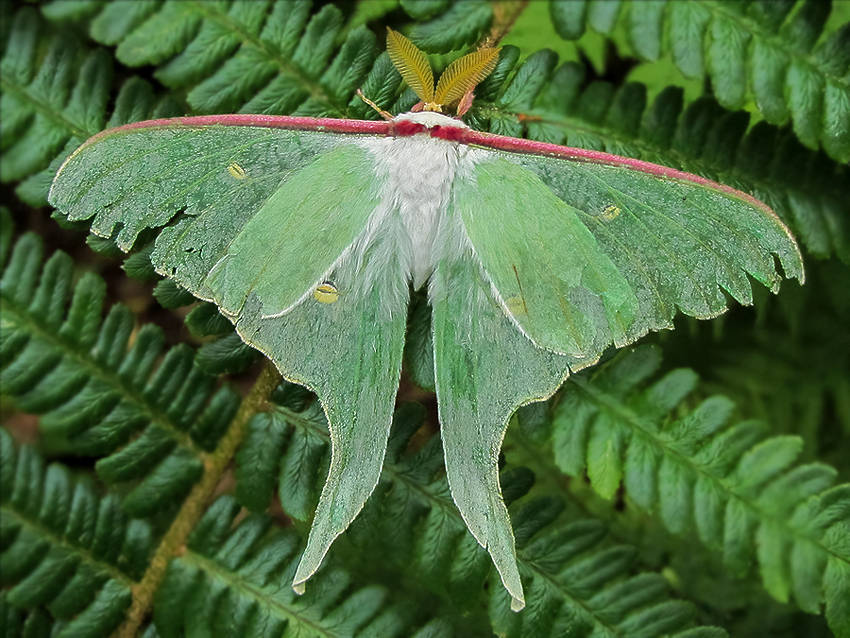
174, 541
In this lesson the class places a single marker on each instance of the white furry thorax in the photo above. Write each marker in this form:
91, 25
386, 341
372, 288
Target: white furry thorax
416, 173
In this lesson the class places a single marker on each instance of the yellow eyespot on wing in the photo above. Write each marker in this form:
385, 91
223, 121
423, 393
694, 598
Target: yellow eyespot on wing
237, 171
610, 212
326, 293
516, 305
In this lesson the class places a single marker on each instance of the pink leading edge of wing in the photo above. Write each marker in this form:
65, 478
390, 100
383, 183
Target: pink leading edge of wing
452, 134
331, 125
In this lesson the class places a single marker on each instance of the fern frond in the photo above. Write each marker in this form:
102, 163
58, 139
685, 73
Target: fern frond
254, 57
206, 34
807, 189
101, 395
462, 24
63, 546
72, 11
778, 362
582, 586
735, 486
49, 108
235, 580
225, 352
288, 447
764, 52
412, 522
424, 9
42, 109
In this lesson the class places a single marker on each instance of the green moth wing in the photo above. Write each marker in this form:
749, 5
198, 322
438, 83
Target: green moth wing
558, 259
239, 205
248, 199
585, 254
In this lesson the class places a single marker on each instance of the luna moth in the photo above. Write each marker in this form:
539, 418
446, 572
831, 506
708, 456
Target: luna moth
309, 234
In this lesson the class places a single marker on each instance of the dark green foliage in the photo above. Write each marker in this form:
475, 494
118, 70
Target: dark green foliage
736, 487
206, 321
64, 547
424, 9
251, 57
30, 134
707, 505
228, 583
257, 460
94, 391
227, 355
461, 25
51, 104
765, 51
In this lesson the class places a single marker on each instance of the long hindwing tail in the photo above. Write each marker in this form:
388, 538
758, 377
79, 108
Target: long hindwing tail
344, 342
485, 369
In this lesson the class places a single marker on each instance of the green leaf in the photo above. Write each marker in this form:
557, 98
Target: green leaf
461, 25
162, 35
219, 35
170, 295
46, 110
115, 21
422, 10
228, 354
93, 390
258, 460
747, 51
50, 105
64, 547
739, 489
167, 484
205, 320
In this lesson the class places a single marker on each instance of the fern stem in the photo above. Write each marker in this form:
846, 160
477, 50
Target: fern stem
505, 15
174, 541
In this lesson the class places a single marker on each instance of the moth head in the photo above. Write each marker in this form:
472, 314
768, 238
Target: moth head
456, 83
